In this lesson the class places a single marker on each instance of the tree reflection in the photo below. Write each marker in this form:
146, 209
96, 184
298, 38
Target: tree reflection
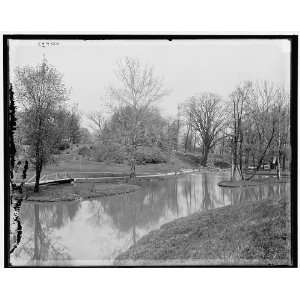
146, 206
41, 246
270, 193
176, 197
16, 225
207, 201
96, 209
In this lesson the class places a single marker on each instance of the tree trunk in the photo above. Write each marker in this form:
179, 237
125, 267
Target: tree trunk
241, 156
132, 174
283, 161
247, 159
205, 155
278, 166
260, 161
186, 139
177, 134
234, 167
279, 152
38, 170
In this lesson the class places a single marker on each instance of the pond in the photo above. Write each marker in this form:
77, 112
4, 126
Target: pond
94, 232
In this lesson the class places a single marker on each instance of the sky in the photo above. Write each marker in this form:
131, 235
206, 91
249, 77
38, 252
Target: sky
187, 67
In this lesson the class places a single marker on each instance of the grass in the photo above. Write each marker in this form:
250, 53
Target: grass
253, 182
87, 168
255, 233
66, 164
70, 192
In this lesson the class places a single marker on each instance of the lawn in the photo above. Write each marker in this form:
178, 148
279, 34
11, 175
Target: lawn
71, 192
255, 233
65, 164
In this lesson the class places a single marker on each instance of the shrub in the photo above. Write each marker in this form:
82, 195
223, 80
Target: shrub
63, 146
221, 164
192, 158
150, 155
85, 151
109, 152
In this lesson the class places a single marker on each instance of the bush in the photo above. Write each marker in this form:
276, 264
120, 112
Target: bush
109, 152
192, 158
222, 164
117, 153
63, 146
150, 155
84, 151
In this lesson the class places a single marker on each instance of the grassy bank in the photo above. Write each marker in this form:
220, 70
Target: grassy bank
255, 233
112, 185
253, 182
71, 192
69, 165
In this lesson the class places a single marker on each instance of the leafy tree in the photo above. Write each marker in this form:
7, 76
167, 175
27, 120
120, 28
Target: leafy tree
12, 122
74, 126
41, 92
138, 90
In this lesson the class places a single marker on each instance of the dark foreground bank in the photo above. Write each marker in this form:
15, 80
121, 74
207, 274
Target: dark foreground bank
254, 233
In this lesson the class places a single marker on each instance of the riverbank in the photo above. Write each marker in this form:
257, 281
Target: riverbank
68, 165
99, 179
95, 187
252, 182
254, 233
72, 192
72, 167
98, 184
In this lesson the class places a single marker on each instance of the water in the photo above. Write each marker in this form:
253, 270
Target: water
94, 232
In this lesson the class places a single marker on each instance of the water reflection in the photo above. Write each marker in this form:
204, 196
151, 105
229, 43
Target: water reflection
16, 228
94, 232
38, 244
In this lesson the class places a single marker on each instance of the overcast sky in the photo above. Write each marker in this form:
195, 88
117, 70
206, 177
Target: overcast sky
187, 67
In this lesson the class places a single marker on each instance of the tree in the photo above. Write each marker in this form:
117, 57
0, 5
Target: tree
282, 115
139, 89
207, 119
74, 126
239, 97
15, 198
85, 136
262, 111
188, 123
97, 121
12, 123
41, 92
13, 167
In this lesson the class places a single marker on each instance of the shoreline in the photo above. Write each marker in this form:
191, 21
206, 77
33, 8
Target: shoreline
251, 183
86, 191
109, 186
253, 233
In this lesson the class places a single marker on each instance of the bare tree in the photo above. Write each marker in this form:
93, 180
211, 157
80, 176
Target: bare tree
138, 90
282, 114
41, 91
73, 125
188, 123
207, 119
262, 111
97, 121
239, 98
